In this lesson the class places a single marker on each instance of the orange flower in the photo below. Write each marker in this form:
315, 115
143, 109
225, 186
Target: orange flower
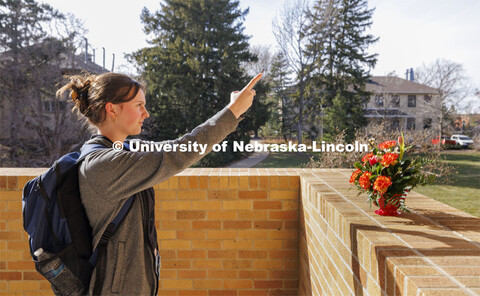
387, 144
367, 157
364, 180
354, 176
389, 159
382, 183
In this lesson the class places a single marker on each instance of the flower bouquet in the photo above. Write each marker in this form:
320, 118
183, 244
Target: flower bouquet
386, 176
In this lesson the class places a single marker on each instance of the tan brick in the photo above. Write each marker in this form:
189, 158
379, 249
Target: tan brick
207, 205
222, 215
233, 182
284, 182
267, 284
259, 292
169, 225
250, 254
18, 245
283, 274
267, 205
253, 274
237, 264
237, 284
12, 182
192, 274
234, 244
283, 234
162, 292
294, 182
183, 182
274, 182
173, 183
175, 264
12, 255
23, 285
207, 244
177, 284
207, 264
207, 284
237, 205
243, 182
166, 234
222, 274
192, 194
252, 234
223, 182
286, 254
253, 182
293, 195
222, 234
165, 215
10, 195
21, 265
193, 215
176, 244
189, 235
192, 254
284, 215
193, 182
192, 293
222, 292
253, 215
221, 195
268, 244
176, 205
207, 224
213, 182
203, 182
216, 254
267, 225
237, 224
264, 182
3, 182
14, 205
160, 186
253, 194
10, 276
32, 276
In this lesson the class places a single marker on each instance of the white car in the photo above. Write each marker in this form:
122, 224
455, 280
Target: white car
462, 140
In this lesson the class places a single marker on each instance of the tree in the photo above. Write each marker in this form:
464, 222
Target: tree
30, 69
289, 30
451, 80
339, 40
193, 65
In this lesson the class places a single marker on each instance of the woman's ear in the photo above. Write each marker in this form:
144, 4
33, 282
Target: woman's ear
111, 109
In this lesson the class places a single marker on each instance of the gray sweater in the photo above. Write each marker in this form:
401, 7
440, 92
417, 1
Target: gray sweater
108, 177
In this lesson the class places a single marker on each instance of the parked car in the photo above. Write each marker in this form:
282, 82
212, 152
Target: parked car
462, 140
445, 141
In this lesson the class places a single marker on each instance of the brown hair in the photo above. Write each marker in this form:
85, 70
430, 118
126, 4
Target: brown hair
91, 93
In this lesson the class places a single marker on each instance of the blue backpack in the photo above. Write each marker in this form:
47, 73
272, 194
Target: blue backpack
59, 233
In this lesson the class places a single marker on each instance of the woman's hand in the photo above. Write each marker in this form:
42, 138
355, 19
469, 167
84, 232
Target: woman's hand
240, 101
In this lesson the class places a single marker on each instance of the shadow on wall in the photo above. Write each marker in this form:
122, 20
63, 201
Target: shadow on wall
432, 246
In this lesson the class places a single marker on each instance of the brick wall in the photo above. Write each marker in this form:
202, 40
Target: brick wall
346, 249
220, 232
278, 232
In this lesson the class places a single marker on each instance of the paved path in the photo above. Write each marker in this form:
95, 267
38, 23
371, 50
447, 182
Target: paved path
252, 160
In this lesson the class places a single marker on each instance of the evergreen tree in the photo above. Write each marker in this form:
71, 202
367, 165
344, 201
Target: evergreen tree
344, 64
193, 65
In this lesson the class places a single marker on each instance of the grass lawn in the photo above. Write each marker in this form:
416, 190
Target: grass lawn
463, 193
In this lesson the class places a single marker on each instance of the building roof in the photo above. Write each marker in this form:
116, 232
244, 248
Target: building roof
397, 85
384, 112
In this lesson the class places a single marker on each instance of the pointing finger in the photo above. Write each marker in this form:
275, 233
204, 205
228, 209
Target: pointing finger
254, 81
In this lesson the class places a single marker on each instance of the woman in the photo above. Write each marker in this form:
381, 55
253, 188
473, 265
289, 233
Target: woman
115, 104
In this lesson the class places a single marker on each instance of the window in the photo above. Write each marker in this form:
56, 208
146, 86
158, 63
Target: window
379, 101
412, 101
427, 98
410, 123
427, 123
396, 101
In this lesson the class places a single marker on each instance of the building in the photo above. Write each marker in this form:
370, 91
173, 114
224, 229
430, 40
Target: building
406, 104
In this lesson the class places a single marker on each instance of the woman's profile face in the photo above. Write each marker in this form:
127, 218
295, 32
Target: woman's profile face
133, 113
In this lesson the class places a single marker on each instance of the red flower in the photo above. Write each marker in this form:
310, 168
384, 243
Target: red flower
354, 176
382, 183
373, 160
389, 159
387, 144
364, 180
367, 157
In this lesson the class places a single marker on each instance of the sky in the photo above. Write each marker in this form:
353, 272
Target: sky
411, 32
